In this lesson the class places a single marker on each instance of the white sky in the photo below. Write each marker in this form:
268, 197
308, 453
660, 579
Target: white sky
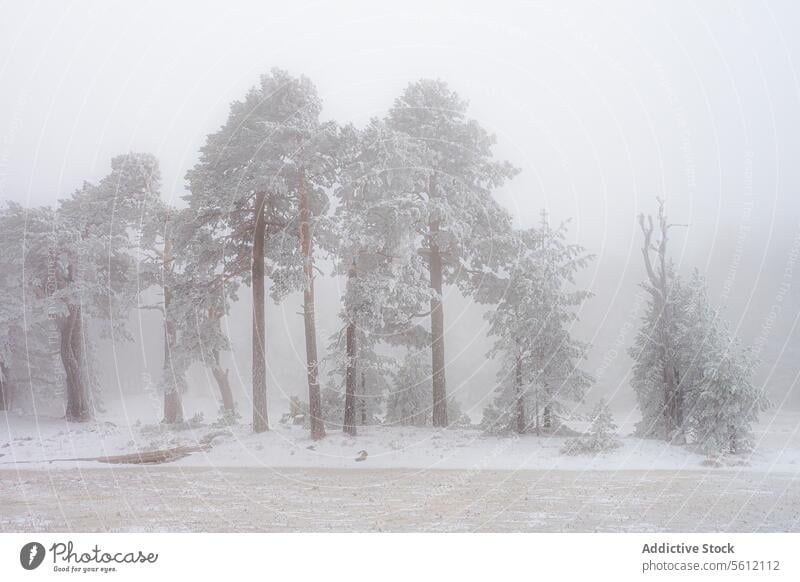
604, 105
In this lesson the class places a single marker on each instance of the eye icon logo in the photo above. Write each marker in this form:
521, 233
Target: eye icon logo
31, 555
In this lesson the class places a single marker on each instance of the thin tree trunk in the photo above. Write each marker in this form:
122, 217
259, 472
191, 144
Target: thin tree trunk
437, 318
5, 388
260, 420
362, 403
349, 425
547, 418
312, 362
521, 424
70, 328
173, 406
363, 407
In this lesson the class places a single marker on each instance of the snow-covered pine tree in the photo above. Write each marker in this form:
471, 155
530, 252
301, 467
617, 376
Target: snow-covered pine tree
537, 305
312, 157
204, 290
259, 183
714, 401
156, 222
12, 304
648, 378
28, 342
371, 372
79, 267
602, 434
715, 376
726, 402
458, 217
387, 285
409, 401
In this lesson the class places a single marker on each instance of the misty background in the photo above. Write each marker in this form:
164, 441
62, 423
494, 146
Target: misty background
603, 106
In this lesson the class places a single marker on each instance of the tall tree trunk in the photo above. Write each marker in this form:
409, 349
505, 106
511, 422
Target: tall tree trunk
363, 406
260, 420
224, 384
521, 423
658, 276
437, 316
78, 408
312, 363
351, 348
173, 406
5, 388
362, 403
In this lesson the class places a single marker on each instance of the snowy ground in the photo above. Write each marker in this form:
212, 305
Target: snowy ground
412, 480
44, 444
167, 498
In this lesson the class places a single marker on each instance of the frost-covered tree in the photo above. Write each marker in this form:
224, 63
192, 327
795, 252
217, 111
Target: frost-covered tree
11, 305
693, 381
409, 401
725, 403
367, 374
602, 434
28, 339
386, 278
458, 219
719, 401
79, 267
156, 223
648, 379
258, 187
204, 290
532, 323
663, 351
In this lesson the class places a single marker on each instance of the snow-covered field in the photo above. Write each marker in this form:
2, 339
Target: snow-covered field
180, 498
412, 480
46, 443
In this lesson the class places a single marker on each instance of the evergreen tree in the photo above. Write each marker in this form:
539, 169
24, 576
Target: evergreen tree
204, 290
725, 402
409, 400
532, 325
457, 217
79, 266
387, 286
28, 339
259, 186
156, 223
648, 352
708, 397
602, 433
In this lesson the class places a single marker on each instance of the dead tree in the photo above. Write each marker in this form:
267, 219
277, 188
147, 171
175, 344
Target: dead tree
654, 253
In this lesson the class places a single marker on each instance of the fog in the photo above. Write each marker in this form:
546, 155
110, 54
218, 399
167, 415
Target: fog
603, 106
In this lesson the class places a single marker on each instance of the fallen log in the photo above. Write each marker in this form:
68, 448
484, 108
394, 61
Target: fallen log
142, 457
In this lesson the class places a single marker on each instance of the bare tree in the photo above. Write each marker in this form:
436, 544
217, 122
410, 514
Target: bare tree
654, 253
